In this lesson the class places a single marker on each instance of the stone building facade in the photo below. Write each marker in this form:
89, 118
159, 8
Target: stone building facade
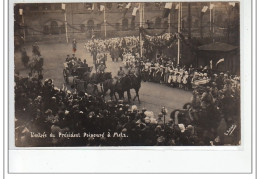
47, 20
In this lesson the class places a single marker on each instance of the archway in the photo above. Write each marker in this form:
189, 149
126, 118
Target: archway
54, 27
90, 24
158, 23
125, 24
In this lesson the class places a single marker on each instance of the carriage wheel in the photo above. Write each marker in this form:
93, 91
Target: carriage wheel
65, 76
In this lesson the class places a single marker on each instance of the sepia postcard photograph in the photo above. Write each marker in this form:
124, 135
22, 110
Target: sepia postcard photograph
110, 74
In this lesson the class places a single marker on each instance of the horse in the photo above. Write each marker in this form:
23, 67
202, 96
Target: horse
98, 79
125, 84
131, 82
36, 65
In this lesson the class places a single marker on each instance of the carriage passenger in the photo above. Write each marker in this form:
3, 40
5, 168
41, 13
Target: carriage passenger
68, 58
73, 57
84, 64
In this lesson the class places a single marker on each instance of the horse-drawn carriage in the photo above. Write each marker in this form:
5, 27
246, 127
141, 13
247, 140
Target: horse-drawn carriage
76, 76
81, 77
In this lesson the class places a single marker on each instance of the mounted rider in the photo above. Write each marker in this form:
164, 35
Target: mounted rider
132, 71
36, 49
121, 72
101, 68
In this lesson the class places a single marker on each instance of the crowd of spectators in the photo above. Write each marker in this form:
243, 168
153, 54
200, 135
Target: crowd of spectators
40, 107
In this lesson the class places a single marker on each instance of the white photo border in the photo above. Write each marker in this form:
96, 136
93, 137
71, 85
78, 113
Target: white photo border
134, 163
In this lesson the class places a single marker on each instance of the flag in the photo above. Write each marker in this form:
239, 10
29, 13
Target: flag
211, 64
168, 5
102, 7
204, 9
167, 9
232, 4
63, 6
177, 6
126, 8
219, 61
135, 10
21, 11
211, 6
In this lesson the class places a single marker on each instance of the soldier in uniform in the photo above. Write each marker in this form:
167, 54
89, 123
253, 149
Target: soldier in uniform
85, 65
68, 58
120, 73
74, 45
132, 71
36, 49
73, 57
101, 68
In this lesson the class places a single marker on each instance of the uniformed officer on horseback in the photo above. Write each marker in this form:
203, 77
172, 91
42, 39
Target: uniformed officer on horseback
132, 71
121, 72
36, 49
101, 68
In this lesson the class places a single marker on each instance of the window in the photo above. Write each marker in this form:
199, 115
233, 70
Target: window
158, 23
196, 23
90, 24
150, 25
88, 6
125, 24
98, 26
219, 19
54, 27
165, 24
57, 6
109, 6
82, 28
147, 4
98, 6
46, 29
34, 7
117, 26
62, 28
46, 6
133, 24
